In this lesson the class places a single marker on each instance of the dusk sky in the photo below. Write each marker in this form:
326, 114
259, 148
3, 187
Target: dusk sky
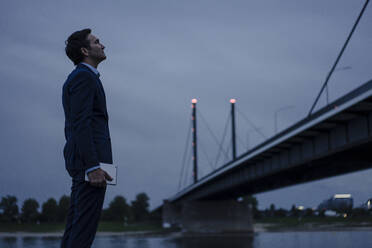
160, 55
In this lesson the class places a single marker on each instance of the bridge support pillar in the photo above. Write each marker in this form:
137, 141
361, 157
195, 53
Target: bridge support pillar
209, 216
217, 216
171, 215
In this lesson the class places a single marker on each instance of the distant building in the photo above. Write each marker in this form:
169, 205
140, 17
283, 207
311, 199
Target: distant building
368, 204
340, 203
330, 213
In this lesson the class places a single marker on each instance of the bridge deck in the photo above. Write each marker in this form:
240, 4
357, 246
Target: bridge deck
331, 141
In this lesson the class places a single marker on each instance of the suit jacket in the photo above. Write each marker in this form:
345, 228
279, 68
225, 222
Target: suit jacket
86, 121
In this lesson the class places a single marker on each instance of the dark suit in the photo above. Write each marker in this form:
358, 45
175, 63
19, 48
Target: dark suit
87, 143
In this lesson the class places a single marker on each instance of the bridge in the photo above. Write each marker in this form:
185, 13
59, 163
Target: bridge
336, 139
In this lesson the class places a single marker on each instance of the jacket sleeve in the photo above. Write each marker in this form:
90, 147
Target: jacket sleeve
82, 92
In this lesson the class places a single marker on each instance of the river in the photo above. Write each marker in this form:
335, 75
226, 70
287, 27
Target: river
324, 239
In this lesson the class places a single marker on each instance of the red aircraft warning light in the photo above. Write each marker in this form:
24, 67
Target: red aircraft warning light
233, 100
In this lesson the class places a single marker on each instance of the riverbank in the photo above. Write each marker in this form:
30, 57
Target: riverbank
274, 224
313, 223
258, 228
60, 234
55, 229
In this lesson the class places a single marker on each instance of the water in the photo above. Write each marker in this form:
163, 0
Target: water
339, 239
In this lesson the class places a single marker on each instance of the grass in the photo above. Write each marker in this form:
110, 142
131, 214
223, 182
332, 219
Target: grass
31, 227
314, 221
59, 227
277, 223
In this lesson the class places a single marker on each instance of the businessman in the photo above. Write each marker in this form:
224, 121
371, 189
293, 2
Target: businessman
87, 138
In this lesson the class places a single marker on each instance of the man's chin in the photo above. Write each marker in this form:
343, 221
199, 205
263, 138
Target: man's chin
102, 58
99, 59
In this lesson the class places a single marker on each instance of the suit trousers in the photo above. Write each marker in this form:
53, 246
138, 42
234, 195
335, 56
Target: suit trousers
84, 212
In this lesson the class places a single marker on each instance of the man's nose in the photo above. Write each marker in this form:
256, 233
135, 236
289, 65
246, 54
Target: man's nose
103, 47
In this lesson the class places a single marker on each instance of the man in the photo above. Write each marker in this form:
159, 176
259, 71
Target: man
87, 138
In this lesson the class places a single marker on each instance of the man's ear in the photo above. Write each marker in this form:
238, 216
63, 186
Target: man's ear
84, 51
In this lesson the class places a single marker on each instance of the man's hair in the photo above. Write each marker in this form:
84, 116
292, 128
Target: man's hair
75, 42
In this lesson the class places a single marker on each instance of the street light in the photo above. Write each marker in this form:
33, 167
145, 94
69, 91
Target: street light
276, 115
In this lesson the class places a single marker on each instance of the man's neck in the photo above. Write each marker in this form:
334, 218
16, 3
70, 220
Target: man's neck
91, 68
91, 63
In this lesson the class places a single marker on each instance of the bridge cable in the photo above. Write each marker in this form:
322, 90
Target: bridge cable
213, 135
339, 57
206, 155
228, 150
241, 142
251, 123
184, 155
223, 139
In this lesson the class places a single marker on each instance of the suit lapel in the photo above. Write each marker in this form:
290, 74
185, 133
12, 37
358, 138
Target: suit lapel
101, 87
103, 93
99, 83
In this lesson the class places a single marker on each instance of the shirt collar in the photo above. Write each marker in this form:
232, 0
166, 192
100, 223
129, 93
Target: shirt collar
91, 68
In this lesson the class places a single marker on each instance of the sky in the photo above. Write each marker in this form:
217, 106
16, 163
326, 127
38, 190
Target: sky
267, 55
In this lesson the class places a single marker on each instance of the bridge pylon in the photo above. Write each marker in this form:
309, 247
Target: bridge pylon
194, 141
233, 135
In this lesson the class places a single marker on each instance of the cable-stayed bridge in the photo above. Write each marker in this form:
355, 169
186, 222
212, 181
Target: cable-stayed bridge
334, 140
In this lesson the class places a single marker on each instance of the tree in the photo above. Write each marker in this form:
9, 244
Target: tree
360, 212
49, 210
63, 206
321, 213
281, 212
309, 212
118, 210
156, 216
272, 209
30, 210
140, 207
251, 200
294, 211
10, 209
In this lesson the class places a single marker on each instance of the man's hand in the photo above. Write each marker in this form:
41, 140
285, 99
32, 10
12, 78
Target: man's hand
98, 178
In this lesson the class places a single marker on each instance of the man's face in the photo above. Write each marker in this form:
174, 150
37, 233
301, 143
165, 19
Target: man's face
96, 52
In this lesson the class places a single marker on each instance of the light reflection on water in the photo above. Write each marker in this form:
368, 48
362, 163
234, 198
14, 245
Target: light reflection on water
340, 239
